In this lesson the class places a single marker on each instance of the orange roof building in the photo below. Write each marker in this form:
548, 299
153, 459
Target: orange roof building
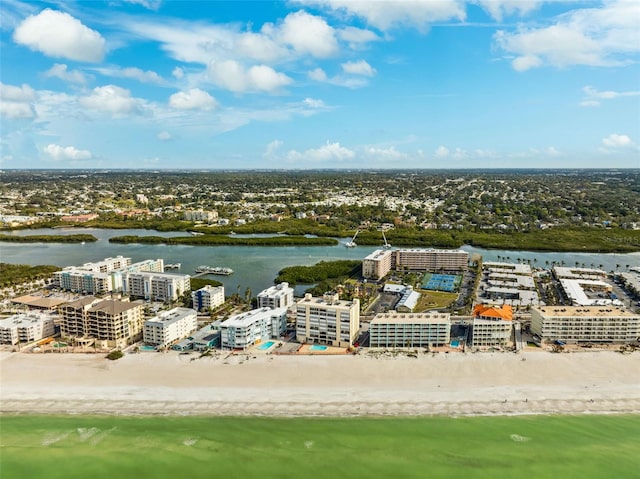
489, 311
491, 326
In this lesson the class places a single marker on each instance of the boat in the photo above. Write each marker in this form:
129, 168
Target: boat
214, 270
173, 266
386, 245
352, 243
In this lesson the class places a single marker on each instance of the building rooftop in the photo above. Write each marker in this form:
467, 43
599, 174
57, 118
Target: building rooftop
39, 301
22, 320
174, 315
246, 319
411, 318
504, 312
113, 306
585, 311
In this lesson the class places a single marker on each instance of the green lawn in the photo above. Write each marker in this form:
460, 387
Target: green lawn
193, 447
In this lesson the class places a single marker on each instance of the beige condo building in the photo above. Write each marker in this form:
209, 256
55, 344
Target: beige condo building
380, 262
579, 324
408, 330
327, 320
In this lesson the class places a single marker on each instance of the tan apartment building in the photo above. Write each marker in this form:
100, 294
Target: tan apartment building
380, 262
73, 317
590, 324
114, 324
377, 264
327, 320
408, 330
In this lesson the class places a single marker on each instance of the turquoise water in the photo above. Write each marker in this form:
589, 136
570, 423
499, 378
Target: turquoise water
317, 347
455, 344
147, 348
266, 345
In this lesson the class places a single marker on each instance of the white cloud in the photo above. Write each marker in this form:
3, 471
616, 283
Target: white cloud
150, 4
389, 14
272, 148
231, 75
194, 99
260, 46
356, 37
326, 153
603, 36
61, 153
17, 93
442, 152
134, 73
16, 101
593, 97
552, 151
313, 103
178, 73
498, 9
615, 140
385, 154
164, 136
360, 67
112, 99
59, 70
317, 74
308, 33
58, 34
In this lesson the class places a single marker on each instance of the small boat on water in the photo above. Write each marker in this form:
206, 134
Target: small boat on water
173, 266
214, 270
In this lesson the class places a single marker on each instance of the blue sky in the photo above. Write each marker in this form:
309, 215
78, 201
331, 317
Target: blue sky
320, 84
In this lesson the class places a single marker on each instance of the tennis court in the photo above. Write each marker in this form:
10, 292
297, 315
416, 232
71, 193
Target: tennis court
441, 282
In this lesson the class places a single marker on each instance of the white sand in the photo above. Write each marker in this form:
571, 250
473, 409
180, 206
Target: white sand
269, 385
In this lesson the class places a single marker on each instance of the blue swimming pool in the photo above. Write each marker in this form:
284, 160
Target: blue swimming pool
455, 344
147, 348
266, 345
317, 347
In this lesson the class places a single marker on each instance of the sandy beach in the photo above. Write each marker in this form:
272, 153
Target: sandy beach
271, 385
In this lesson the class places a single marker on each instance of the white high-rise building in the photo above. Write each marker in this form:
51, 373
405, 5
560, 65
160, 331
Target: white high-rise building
246, 329
207, 297
278, 296
26, 328
157, 286
170, 326
327, 320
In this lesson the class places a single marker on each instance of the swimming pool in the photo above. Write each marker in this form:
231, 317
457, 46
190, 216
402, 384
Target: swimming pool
455, 344
266, 345
147, 348
317, 347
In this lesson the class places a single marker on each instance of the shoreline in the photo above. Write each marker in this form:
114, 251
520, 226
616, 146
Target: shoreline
491, 384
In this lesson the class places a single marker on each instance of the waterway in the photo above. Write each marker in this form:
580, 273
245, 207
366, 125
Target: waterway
255, 266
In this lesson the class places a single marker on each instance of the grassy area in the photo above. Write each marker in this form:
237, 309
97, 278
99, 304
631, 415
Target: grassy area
161, 447
434, 300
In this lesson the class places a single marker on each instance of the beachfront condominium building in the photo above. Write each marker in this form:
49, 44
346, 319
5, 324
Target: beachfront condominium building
170, 326
380, 262
73, 316
242, 331
491, 325
408, 330
377, 264
207, 297
157, 286
278, 296
327, 320
114, 324
103, 276
580, 324
26, 328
